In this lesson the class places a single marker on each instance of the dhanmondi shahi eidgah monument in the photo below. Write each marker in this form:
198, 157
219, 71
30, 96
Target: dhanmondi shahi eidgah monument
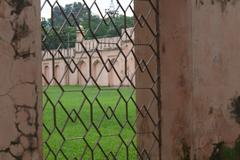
110, 61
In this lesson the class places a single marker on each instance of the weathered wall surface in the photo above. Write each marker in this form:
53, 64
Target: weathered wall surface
147, 76
20, 80
199, 76
175, 33
216, 74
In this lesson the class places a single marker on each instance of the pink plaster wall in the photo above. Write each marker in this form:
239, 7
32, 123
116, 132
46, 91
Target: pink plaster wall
102, 75
147, 74
216, 74
20, 80
199, 76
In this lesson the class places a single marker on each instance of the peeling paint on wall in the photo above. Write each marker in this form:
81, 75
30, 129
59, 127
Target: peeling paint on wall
223, 3
20, 81
235, 109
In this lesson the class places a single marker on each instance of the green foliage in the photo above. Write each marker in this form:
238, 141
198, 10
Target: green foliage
235, 109
222, 152
57, 34
112, 27
79, 11
186, 151
57, 38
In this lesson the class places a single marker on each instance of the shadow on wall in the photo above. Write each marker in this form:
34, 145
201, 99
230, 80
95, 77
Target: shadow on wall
223, 151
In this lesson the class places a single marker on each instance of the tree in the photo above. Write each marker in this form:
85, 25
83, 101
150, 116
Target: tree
62, 14
60, 31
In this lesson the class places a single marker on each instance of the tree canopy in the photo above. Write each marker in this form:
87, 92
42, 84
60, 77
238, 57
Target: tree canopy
60, 30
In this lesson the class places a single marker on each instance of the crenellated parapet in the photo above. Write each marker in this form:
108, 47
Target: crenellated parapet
103, 44
83, 46
58, 54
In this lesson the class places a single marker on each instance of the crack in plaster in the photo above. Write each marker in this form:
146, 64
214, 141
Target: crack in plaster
25, 146
20, 28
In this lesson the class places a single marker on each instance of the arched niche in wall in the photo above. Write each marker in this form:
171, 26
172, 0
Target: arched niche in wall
113, 77
46, 75
96, 69
67, 72
111, 72
57, 73
83, 73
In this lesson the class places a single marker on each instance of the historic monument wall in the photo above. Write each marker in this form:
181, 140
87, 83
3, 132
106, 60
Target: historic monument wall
20, 80
116, 64
216, 75
200, 44
200, 103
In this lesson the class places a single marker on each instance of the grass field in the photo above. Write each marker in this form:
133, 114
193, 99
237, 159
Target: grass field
81, 125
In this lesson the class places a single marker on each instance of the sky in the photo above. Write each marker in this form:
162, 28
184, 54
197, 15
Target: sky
103, 4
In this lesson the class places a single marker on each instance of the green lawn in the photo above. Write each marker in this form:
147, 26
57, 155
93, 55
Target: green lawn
81, 125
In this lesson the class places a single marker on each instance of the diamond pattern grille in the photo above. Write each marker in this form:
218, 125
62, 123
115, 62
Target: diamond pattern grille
93, 95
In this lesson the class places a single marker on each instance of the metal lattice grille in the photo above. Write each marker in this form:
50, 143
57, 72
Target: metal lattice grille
100, 80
